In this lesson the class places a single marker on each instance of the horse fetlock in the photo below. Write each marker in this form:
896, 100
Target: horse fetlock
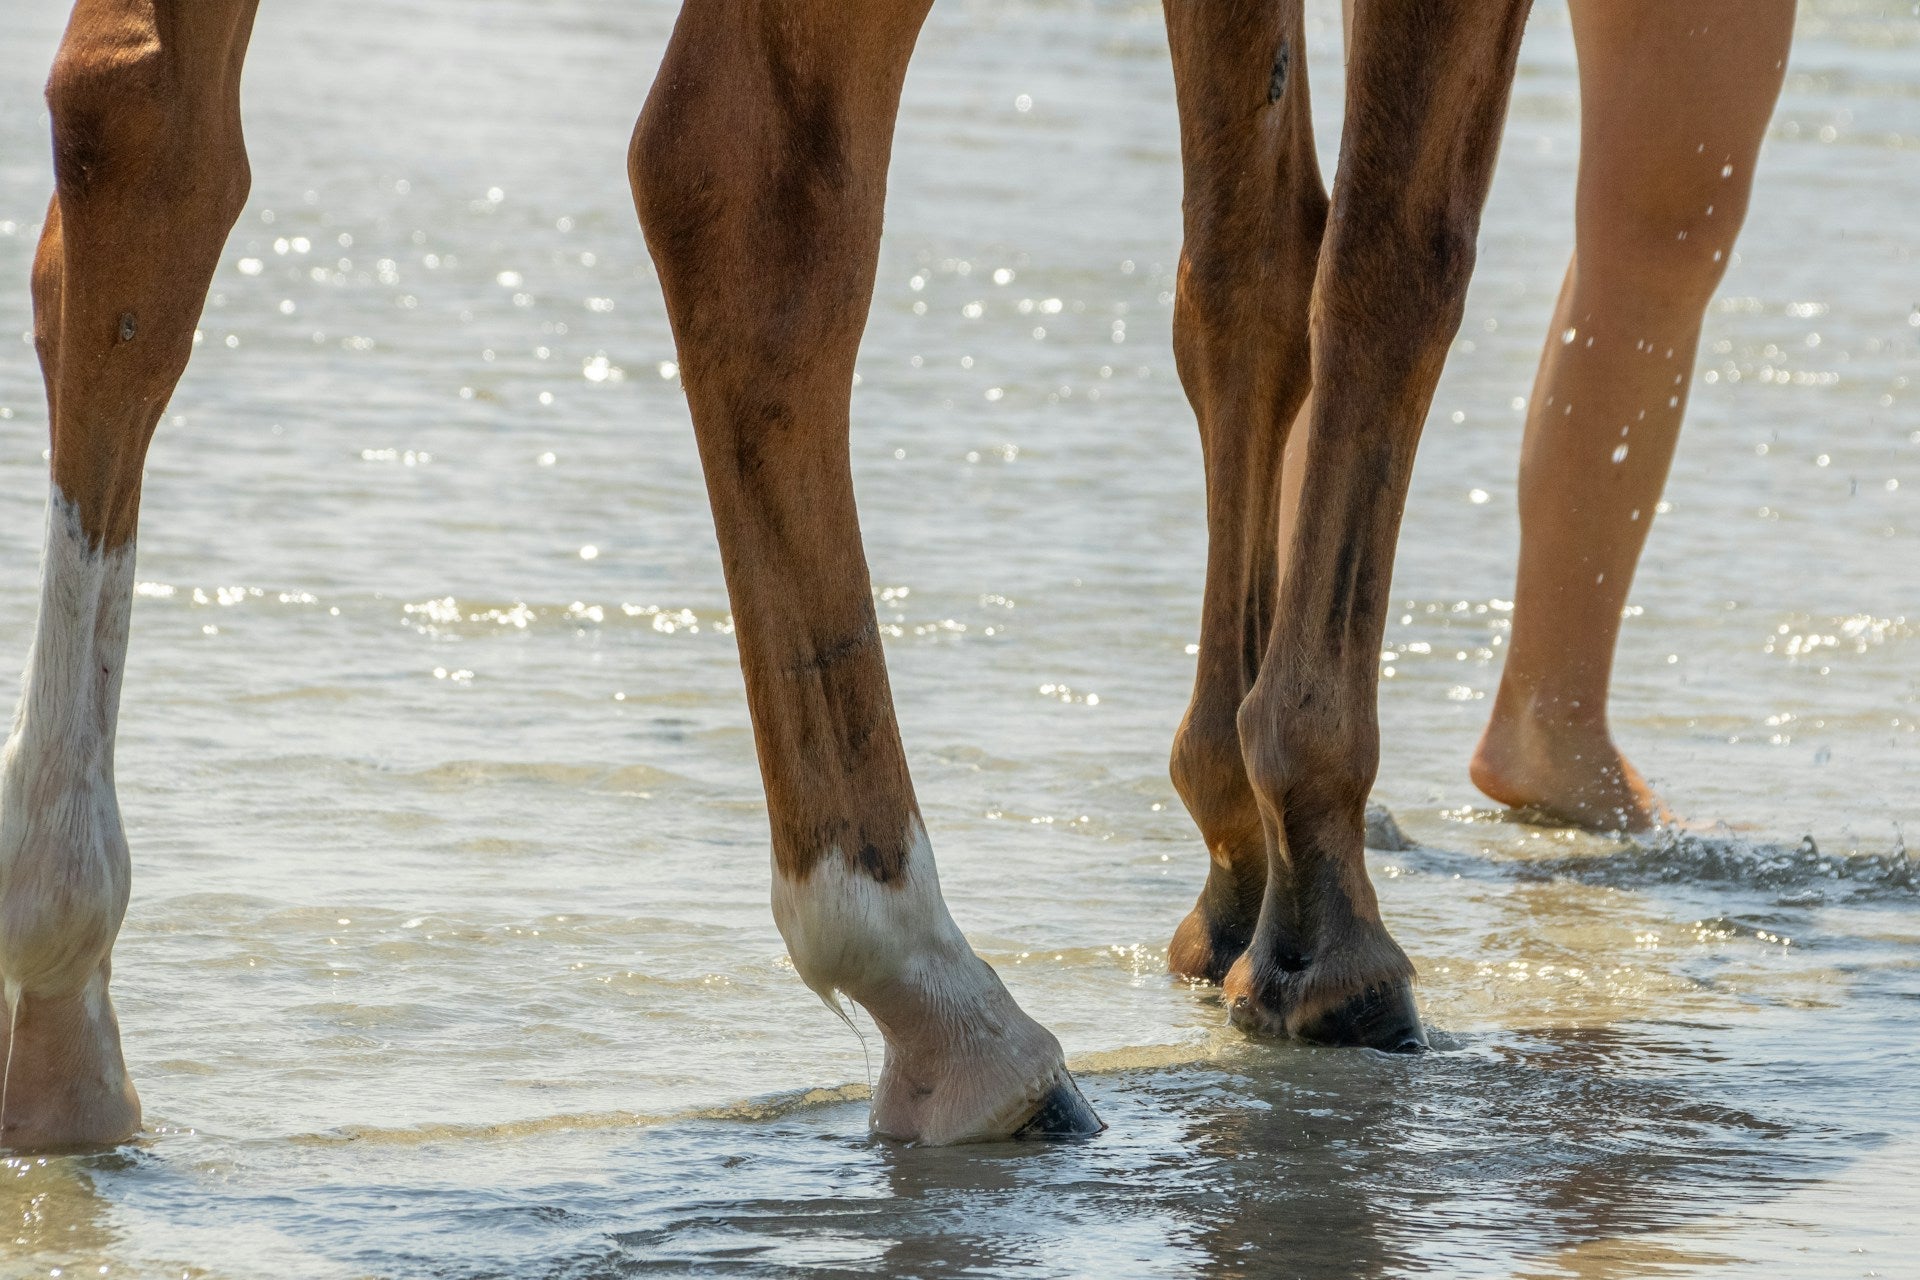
64, 872
963, 1061
64, 869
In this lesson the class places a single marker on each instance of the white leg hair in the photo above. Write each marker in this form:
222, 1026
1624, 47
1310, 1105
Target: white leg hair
847, 932
963, 1060
64, 869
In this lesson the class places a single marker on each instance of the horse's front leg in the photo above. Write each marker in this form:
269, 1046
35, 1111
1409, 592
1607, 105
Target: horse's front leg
150, 174
1427, 84
759, 170
1254, 210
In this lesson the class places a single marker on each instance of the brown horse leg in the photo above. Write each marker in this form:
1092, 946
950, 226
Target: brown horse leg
1254, 211
1427, 92
150, 174
759, 171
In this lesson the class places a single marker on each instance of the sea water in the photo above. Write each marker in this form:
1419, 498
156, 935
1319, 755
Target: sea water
449, 951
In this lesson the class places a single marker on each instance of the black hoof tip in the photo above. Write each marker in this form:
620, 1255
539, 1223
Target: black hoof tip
1063, 1113
1383, 1018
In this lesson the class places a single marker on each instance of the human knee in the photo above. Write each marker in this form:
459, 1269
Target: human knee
1661, 241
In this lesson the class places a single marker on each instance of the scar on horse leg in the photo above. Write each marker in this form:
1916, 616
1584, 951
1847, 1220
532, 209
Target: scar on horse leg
150, 174
1253, 212
759, 172
1426, 94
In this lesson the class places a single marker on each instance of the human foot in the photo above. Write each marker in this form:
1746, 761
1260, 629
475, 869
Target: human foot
1567, 774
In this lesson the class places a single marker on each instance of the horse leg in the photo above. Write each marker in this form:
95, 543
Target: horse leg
1426, 95
150, 173
759, 172
1254, 210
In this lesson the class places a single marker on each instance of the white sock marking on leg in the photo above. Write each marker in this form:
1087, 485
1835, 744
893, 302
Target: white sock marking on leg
963, 1059
64, 868
848, 932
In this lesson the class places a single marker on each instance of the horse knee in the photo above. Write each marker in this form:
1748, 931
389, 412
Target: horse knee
1249, 273
129, 126
679, 191
1396, 285
110, 102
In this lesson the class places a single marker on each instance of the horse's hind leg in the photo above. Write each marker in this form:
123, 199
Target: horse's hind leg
1427, 84
1254, 212
759, 170
150, 174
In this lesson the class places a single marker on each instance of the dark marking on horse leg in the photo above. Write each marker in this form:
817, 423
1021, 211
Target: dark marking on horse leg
1345, 574
880, 865
1277, 83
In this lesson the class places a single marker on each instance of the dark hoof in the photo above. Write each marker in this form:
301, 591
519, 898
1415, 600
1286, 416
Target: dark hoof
1063, 1113
1383, 1018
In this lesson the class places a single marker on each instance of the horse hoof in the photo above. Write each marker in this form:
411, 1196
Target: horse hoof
1380, 1017
1063, 1113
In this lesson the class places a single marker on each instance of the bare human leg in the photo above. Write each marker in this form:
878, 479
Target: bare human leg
1254, 212
150, 173
1675, 96
759, 172
1427, 86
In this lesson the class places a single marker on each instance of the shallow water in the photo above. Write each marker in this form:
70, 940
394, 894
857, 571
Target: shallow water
449, 951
